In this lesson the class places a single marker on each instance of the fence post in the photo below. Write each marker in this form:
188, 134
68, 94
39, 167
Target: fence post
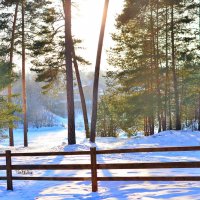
93, 168
9, 170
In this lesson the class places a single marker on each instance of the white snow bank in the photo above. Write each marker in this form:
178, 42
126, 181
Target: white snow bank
55, 139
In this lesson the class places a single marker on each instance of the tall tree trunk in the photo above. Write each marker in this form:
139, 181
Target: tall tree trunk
69, 73
199, 114
96, 76
199, 22
167, 69
145, 127
148, 127
170, 111
24, 77
199, 92
151, 125
167, 88
153, 66
158, 71
11, 138
177, 106
83, 103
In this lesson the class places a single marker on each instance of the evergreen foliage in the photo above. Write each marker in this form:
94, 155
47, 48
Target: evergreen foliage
7, 109
156, 55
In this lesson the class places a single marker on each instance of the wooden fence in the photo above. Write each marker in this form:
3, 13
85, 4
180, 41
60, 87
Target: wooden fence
94, 166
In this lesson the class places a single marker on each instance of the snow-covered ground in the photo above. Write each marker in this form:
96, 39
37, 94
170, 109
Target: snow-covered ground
54, 139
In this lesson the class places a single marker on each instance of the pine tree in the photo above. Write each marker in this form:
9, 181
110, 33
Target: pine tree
22, 32
7, 109
9, 30
176, 92
69, 73
49, 54
154, 50
24, 106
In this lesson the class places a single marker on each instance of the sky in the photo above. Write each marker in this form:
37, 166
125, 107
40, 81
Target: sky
86, 23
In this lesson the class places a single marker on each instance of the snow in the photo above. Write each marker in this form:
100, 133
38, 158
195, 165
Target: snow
54, 139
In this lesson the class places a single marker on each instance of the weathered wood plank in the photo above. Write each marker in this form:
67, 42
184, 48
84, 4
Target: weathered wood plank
111, 151
9, 170
153, 178
94, 169
52, 153
149, 165
53, 178
52, 167
153, 149
2, 167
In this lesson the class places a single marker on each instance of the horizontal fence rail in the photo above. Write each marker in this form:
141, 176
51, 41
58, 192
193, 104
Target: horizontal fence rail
153, 178
52, 167
143, 150
2, 167
158, 165
52, 153
94, 166
53, 178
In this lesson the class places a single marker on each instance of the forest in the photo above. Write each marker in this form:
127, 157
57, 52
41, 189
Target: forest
155, 86
153, 81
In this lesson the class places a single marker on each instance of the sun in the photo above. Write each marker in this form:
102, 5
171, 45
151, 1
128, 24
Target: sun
86, 24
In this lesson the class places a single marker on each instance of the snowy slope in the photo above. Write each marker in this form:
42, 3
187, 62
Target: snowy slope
54, 139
